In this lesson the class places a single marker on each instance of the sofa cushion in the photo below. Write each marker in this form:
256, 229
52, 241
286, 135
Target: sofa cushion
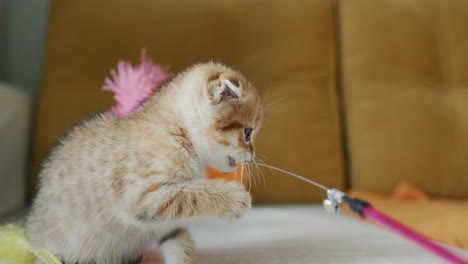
286, 49
405, 81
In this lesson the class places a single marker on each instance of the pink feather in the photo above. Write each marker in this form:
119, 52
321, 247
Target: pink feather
132, 85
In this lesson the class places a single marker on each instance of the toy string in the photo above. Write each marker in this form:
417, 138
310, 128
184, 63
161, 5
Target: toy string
365, 210
293, 174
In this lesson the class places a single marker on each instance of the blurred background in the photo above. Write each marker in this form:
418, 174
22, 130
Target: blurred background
23, 27
362, 95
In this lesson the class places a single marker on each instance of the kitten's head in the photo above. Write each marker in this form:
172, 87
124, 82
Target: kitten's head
235, 117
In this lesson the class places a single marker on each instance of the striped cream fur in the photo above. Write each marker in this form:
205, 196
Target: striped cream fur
114, 185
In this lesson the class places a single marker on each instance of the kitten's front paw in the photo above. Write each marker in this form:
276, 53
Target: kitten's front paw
238, 202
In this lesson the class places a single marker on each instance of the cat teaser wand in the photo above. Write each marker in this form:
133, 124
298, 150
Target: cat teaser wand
364, 209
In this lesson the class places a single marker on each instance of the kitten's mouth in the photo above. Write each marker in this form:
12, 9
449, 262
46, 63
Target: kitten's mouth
232, 162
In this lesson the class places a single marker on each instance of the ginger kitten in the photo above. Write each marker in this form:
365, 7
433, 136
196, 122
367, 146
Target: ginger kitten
116, 184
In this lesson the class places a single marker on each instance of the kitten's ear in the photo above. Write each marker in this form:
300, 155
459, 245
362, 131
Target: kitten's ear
228, 89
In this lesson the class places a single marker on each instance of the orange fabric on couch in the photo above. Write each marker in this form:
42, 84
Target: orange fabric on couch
442, 220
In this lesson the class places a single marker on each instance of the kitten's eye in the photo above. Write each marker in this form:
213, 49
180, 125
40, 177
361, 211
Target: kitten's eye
247, 133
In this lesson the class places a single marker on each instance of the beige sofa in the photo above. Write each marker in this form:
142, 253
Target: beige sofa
363, 93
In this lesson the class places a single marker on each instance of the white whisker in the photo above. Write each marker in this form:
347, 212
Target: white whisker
260, 169
254, 181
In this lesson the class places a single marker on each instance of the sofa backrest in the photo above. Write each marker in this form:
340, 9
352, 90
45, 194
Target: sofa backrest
391, 74
405, 82
287, 50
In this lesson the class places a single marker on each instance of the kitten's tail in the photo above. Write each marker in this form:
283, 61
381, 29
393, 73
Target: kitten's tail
14, 247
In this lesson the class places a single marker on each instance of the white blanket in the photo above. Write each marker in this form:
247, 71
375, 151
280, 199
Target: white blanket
302, 234
298, 235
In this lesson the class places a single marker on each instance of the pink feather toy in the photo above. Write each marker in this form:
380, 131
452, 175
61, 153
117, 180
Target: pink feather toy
134, 84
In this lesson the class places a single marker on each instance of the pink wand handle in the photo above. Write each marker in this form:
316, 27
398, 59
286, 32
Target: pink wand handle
370, 213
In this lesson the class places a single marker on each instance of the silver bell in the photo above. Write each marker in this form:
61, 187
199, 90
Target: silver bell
331, 206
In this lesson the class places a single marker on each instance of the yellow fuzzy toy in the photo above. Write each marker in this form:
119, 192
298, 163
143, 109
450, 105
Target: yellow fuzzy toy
14, 248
